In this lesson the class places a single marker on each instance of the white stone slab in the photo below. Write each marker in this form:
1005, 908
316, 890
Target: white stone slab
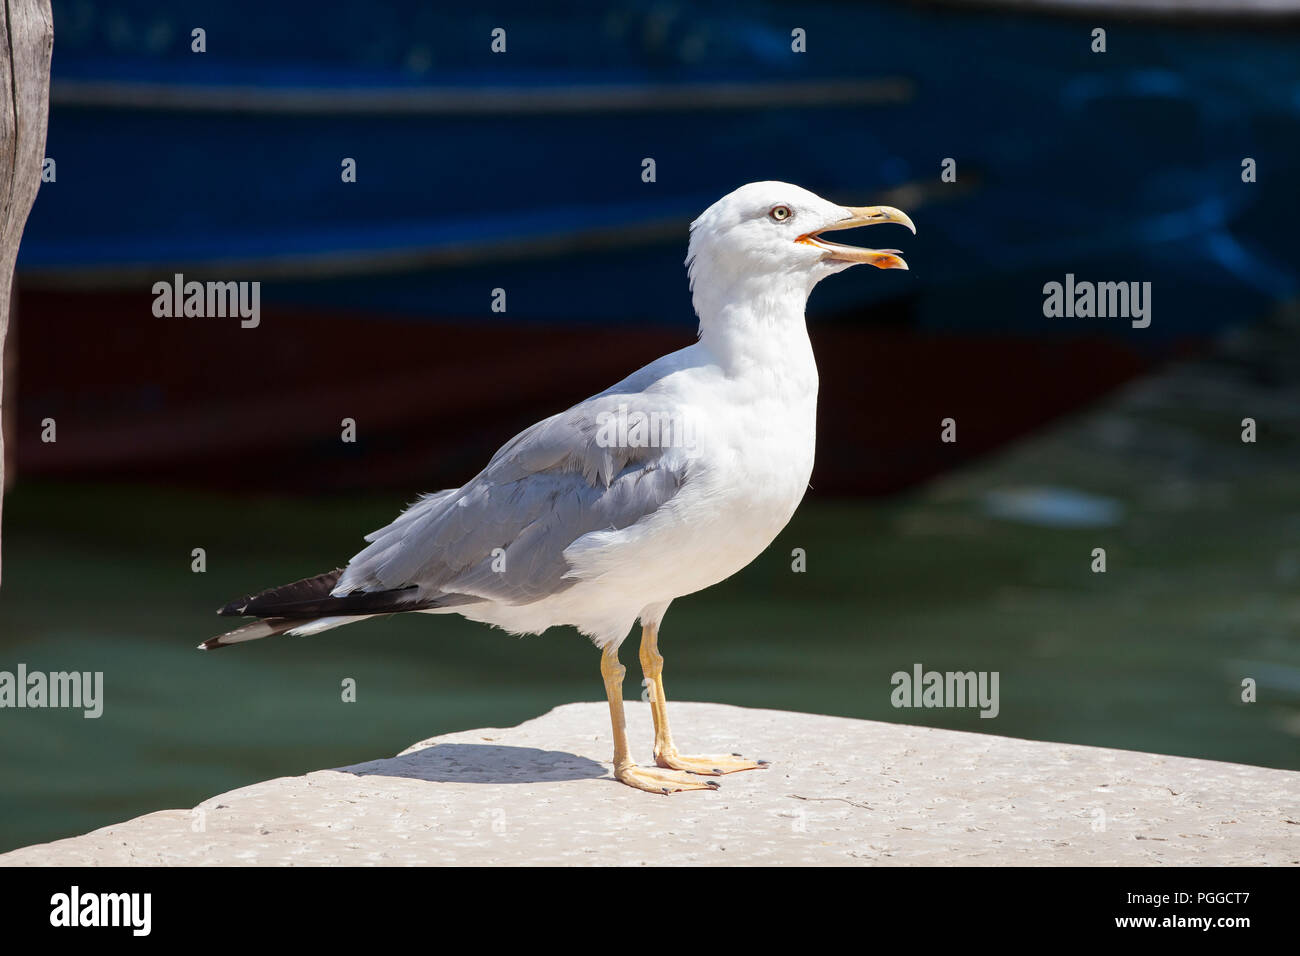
839, 791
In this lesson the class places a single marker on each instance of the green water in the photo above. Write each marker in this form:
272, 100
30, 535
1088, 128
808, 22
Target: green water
1201, 590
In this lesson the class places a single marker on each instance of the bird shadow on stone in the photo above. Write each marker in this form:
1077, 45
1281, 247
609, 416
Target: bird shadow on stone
482, 763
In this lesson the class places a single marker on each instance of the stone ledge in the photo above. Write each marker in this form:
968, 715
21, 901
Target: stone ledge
840, 791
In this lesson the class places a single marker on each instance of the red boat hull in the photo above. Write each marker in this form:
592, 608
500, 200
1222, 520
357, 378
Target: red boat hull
204, 402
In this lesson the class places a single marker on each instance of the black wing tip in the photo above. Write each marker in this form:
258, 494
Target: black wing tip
266, 603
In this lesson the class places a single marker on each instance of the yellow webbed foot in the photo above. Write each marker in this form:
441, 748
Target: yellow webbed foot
709, 766
654, 780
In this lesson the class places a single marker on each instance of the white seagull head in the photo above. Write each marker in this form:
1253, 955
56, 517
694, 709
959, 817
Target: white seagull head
766, 239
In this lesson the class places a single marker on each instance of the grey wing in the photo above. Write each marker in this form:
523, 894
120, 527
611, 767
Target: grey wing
502, 536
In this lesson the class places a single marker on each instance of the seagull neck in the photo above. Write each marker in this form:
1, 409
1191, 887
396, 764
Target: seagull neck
761, 325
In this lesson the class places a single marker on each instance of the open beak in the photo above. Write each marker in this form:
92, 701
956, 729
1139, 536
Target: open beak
861, 216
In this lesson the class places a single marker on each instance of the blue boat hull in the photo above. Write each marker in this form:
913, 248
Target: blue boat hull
522, 170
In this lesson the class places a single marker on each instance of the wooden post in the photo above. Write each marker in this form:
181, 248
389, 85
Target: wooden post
26, 41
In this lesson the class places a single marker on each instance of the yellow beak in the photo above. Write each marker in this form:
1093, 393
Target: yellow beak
862, 216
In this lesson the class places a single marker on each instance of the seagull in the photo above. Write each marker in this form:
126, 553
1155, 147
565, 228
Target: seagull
660, 486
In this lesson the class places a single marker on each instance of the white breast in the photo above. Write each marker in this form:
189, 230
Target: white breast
755, 437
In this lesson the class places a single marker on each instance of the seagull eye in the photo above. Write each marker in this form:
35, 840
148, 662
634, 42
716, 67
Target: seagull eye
781, 213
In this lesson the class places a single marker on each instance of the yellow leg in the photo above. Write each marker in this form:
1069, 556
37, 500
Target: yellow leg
643, 778
666, 755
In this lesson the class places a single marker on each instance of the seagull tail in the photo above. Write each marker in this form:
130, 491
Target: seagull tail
267, 627
309, 606
271, 626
